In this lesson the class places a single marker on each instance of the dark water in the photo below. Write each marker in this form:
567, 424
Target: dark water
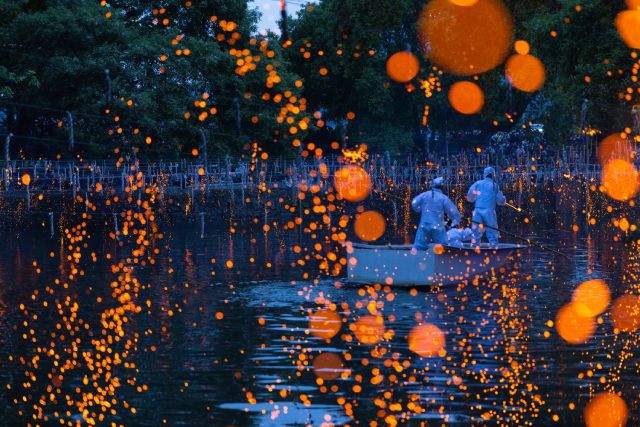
201, 370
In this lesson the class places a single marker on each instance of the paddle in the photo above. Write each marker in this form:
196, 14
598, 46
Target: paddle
544, 248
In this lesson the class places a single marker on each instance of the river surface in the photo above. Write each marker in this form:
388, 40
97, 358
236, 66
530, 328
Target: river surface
230, 346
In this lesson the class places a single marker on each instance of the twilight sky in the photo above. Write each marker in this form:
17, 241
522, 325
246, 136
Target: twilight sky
270, 10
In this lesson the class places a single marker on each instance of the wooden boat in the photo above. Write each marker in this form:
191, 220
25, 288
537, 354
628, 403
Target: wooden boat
404, 266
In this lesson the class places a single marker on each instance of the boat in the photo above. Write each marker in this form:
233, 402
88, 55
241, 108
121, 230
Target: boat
404, 266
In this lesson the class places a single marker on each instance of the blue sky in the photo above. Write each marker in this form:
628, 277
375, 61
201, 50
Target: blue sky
270, 10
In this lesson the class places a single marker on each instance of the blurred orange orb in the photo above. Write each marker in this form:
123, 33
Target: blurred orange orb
606, 410
525, 72
625, 313
633, 4
427, 340
464, 3
368, 329
614, 147
522, 47
591, 298
628, 25
327, 366
620, 179
466, 97
572, 327
369, 226
466, 40
352, 183
402, 66
26, 179
325, 324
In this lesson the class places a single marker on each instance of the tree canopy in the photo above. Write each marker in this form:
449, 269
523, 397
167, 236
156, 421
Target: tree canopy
162, 79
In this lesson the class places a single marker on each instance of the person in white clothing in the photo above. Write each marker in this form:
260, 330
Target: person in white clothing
487, 195
458, 236
433, 206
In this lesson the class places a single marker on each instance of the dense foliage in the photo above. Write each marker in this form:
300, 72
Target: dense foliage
141, 75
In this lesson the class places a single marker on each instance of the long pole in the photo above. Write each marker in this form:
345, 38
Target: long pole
524, 239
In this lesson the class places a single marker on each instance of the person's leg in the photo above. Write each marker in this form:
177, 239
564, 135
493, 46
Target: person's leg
493, 235
421, 242
476, 230
439, 236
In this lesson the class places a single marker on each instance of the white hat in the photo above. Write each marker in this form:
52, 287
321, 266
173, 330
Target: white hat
437, 182
489, 171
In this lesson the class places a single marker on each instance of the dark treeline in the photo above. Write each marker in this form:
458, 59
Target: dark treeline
173, 79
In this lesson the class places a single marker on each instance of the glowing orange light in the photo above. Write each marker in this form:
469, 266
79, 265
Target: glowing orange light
427, 340
522, 47
606, 410
633, 4
368, 329
628, 25
466, 97
200, 171
525, 72
194, 152
572, 327
325, 324
26, 179
352, 183
327, 366
438, 249
625, 313
464, 3
591, 298
620, 179
369, 226
614, 147
402, 66
466, 40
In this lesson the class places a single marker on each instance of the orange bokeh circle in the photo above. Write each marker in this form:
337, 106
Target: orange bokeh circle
26, 179
325, 324
369, 226
466, 97
352, 183
402, 66
633, 4
620, 179
328, 366
466, 40
525, 72
628, 26
572, 327
522, 47
606, 410
614, 147
625, 313
464, 3
427, 340
591, 298
368, 329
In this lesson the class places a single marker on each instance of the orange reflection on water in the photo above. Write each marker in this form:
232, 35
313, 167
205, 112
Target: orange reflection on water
427, 340
325, 324
606, 410
572, 327
591, 298
368, 329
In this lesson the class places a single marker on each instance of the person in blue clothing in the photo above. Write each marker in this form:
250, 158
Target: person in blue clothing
487, 195
433, 205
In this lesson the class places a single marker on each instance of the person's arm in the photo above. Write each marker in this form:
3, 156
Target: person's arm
500, 199
471, 195
452, 212
416, 203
